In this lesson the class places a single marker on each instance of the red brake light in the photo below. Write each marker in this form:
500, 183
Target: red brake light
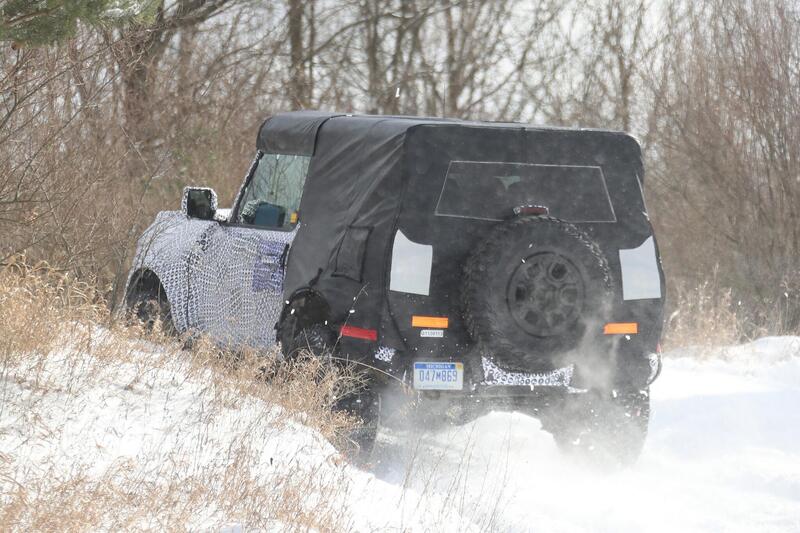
528, 210
359, 333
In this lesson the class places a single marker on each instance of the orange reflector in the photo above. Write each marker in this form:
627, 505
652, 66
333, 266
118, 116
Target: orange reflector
621, 328
293, 218
439, 322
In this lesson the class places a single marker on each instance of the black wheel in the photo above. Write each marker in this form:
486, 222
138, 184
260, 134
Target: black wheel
319, 340
606, 430
149, 306
303, 325
360, 441
533, 290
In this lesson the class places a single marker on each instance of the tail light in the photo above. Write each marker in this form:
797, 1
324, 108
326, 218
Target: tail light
530, 210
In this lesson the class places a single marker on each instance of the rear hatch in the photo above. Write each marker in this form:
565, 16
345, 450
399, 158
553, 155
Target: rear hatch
472, 179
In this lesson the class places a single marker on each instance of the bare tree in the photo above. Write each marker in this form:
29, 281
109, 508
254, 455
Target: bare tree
100, 131
729, 149
140, 48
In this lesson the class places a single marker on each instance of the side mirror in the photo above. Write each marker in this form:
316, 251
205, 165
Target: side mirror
199, 202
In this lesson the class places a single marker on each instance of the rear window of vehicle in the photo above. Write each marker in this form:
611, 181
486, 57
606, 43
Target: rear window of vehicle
490, 191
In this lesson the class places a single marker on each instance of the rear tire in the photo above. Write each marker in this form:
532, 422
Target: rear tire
604, 430
320, 341
360, 441
317, 339
150, 306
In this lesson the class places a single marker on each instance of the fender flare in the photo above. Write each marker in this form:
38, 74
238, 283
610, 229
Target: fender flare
143, 279
305, 306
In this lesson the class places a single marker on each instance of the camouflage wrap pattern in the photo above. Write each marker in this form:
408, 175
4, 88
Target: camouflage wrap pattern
494, 375
223, 280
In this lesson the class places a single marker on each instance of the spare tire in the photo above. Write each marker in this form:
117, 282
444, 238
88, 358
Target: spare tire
533, 290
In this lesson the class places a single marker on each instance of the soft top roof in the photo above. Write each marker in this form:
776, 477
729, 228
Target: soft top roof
295, 132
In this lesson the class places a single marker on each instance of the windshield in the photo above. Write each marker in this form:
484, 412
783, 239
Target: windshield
272, 196
490, 191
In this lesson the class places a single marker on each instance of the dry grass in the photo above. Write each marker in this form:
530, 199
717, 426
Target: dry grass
61, 355
710, 314
703, 315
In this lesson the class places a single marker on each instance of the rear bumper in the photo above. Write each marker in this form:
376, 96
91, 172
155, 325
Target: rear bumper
532, 394
489, 378
560, 378
640, 374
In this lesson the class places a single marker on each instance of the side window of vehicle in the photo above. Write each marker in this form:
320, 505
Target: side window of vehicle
272, 196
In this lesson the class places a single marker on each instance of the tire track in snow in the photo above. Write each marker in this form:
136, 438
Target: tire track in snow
723, 454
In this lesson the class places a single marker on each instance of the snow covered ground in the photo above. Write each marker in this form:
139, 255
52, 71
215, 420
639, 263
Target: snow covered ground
723, 454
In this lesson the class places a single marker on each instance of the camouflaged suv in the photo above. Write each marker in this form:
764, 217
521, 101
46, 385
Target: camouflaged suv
491, 265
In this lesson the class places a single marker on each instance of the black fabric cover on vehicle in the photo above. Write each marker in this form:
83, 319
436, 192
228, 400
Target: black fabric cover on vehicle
388, 173
355, 179
291, 133
350, 258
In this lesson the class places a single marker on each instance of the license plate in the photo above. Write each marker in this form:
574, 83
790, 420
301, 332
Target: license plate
438, 376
